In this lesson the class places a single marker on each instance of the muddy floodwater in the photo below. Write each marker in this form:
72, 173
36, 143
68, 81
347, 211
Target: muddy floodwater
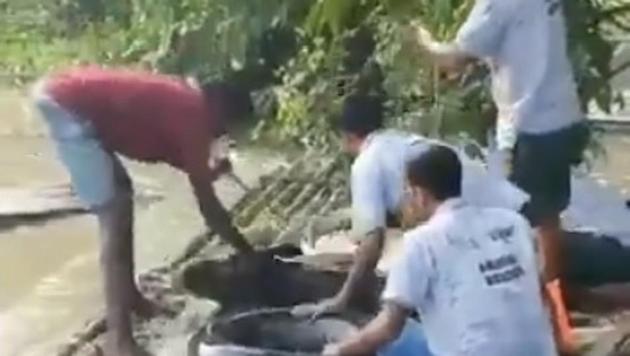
49, 276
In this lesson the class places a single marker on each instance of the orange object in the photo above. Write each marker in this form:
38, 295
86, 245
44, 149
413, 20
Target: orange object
560, 318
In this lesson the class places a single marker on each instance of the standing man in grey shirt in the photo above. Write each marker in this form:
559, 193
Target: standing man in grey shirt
540, 122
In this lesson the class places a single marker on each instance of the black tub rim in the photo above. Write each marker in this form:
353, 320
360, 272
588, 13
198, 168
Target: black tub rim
197, 340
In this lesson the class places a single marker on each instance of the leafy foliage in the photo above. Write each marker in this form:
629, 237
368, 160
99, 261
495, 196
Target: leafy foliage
591, 24
419, 99
301, 56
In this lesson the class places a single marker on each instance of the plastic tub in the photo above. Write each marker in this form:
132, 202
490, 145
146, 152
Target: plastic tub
272, 332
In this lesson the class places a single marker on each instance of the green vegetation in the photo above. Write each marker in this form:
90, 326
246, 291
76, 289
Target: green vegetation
300, 57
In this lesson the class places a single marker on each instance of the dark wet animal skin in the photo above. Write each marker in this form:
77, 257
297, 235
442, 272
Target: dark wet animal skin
241, 282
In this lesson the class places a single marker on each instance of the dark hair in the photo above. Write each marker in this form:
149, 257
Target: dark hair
361, 115
437, 170
236, 103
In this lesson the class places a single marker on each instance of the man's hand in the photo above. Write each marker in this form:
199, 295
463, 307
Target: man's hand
447, 56
219, 161
358, 280
500, 163
221, 167
382, 330
315, 311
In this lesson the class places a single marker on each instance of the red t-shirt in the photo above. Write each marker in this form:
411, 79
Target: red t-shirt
143, 116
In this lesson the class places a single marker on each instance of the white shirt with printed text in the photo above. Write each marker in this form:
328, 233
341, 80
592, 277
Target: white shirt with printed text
472, 275
378, 179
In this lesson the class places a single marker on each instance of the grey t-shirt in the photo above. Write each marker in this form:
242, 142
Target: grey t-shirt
524, 43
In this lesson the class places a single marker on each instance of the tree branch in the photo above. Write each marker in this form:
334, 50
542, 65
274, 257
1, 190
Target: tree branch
612, 15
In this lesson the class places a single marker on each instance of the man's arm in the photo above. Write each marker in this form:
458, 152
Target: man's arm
215, 215
447, 56
382, 330
368, 223
481, 36
368, 187
365, 260
407, 284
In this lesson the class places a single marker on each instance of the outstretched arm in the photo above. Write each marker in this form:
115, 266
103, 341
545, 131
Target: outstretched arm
480, 37
382, 330
365, 260
407, 285
215, 215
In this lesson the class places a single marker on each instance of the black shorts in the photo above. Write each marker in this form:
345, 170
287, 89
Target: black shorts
541, 166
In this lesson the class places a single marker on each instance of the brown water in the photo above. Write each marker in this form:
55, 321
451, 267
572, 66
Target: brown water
50, 282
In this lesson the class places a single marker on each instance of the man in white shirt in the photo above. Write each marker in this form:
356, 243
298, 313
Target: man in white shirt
469, 271
377, 185
540, 122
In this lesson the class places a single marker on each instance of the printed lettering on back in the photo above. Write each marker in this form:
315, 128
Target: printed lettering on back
505, 268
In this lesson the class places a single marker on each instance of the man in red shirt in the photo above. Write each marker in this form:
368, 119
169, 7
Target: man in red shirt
95, 114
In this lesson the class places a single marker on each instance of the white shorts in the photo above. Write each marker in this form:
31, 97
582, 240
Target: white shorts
91, 167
